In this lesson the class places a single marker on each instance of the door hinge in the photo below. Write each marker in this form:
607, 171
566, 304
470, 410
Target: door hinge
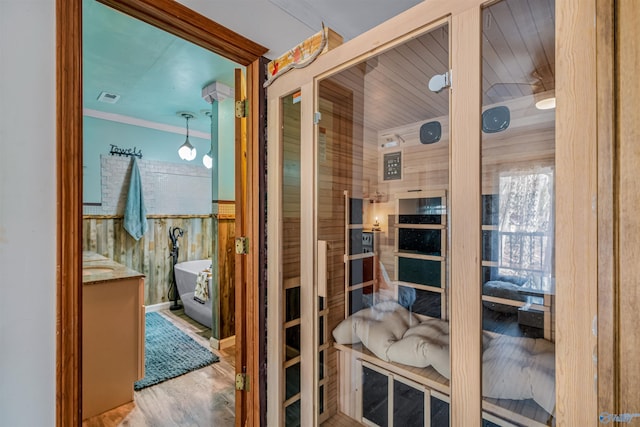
317, 116
242, 382
242, 245
242, 109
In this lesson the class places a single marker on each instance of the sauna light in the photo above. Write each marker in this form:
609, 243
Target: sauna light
392, 141
207, 160
376, 225
186, 150
545, 100
546, 104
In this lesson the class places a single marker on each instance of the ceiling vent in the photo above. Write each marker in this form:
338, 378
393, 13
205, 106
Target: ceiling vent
109, 98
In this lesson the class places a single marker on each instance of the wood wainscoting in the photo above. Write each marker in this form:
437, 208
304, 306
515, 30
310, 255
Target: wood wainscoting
106, 236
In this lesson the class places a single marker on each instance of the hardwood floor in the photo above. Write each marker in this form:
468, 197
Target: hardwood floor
205, 397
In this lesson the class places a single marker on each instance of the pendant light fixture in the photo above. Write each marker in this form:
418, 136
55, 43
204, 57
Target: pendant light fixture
207, 160
186, 150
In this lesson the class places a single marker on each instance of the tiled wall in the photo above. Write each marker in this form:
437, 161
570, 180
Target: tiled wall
168, 188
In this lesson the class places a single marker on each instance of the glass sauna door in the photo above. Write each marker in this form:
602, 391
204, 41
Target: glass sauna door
290, 323
382, 165
518, 245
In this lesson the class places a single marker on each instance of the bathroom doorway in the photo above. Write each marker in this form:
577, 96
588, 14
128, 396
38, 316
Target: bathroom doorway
178, 20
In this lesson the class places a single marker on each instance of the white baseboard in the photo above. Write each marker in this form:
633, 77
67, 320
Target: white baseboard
223, 343
157, 307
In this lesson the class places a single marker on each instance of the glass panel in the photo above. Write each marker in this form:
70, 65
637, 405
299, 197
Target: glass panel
292, 384
408, 405
292, 340
321, 321
360, 271
426, 242
518, 162
290, 108
292, 415
439, 412
420, 271
382, 165
355, 246
292, 307
375, 396
420, 210
424, 302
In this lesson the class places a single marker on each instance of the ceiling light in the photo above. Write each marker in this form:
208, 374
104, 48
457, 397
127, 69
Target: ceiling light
546, 103
545, 100
207, 160
186, 150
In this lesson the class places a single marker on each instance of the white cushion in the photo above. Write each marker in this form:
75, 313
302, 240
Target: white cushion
520, 368
424, 344
387, 323
504, 373
345, 332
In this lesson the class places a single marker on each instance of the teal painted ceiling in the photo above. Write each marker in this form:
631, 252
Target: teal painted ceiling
155, 73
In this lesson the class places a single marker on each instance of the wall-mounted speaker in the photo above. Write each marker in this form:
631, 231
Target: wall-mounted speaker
496, 119
430, 132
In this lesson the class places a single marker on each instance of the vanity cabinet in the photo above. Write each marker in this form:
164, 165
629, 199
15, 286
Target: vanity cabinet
113, 316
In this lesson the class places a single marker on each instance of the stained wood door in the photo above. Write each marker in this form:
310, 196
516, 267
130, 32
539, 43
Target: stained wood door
241, 259
249, 408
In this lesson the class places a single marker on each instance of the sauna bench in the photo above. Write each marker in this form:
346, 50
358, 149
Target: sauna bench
113, 316
351, 357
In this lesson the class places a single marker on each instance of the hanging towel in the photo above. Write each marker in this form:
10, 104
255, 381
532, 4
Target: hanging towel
201, 294
135, 214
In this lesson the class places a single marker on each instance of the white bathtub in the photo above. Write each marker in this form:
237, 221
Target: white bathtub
186, 277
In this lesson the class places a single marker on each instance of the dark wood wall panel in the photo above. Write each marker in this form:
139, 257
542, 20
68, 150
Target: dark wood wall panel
226, 277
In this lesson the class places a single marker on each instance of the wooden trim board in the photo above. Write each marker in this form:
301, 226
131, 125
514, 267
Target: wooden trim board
179, 20
607, 220
576, 213
628, 203
465, 151
69, 213
223, 343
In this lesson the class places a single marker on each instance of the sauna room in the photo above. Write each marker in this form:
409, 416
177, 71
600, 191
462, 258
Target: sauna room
373, 162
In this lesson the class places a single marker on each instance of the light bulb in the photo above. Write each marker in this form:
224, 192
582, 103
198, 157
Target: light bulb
207, 160
187, 151
546, 104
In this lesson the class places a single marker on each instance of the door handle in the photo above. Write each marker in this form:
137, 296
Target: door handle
323, 246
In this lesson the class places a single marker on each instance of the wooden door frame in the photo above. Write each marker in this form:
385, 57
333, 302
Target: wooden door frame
185, 23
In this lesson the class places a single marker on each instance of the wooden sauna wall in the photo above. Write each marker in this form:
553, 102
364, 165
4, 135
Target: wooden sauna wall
150, 255
529, 141
340, 168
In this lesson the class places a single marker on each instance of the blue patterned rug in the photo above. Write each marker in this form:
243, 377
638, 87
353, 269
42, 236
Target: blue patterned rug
169, 352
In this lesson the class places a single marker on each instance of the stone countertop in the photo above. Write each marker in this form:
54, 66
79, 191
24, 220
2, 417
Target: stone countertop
97, 269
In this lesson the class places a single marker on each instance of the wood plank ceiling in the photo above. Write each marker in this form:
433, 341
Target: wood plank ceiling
518, 60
